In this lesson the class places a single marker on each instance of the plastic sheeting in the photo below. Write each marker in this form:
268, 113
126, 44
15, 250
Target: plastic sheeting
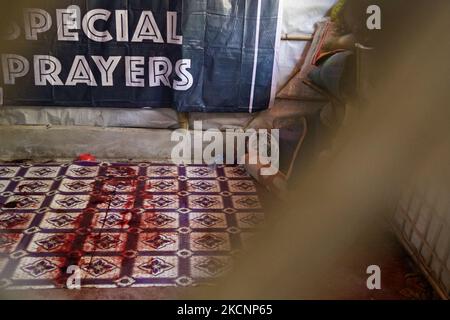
63, 142
299, 17
98, 117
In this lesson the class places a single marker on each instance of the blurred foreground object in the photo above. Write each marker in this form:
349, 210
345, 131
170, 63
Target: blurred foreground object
343, 199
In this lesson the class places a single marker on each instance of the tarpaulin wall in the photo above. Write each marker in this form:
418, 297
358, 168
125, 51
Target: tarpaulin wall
191, 55
299, 17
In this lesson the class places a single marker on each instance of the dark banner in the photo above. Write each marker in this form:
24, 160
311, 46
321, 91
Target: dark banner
191, 55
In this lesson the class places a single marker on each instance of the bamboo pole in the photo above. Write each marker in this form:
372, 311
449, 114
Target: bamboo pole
296, 37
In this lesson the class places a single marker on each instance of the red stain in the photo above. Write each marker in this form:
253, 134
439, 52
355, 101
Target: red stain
153, 237
126, 218
96, 238
60, 281
146, 198
23, 186
121, 171
64, 247
11, 205
121, 184
130, 202
119, 181
104, 191
87, 157
79, 218
15, 223
15, 238
97, 199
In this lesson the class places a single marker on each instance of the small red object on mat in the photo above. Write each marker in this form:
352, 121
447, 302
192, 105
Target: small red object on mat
86, 157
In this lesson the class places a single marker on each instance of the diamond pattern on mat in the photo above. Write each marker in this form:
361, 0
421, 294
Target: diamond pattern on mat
33, 186
209, 266
42, 172
33, 269
123, 225
99, 267
161, 220
8, 172
25, 202
3, 185
76, 171
57, 242
13, 221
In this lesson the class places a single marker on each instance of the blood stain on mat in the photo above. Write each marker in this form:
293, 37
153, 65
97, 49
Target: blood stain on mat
118, 203
11, 205
120, 172
9, 241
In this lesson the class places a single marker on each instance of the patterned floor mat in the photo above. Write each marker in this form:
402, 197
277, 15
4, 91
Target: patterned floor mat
122, 225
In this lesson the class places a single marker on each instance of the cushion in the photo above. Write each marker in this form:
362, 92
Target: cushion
283, 110
336, 74
295, 88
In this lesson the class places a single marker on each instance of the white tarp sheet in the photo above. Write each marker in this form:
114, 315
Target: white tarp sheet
299, 17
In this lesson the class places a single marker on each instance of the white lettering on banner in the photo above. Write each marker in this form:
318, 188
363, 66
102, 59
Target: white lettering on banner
12, 31
80, 73
172, 36
187, 80
134, 70
36, 21
122, 25
147, 29
160, 70
67, 21
14, 66
107, 68
88, 25
47, 70
98, 25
